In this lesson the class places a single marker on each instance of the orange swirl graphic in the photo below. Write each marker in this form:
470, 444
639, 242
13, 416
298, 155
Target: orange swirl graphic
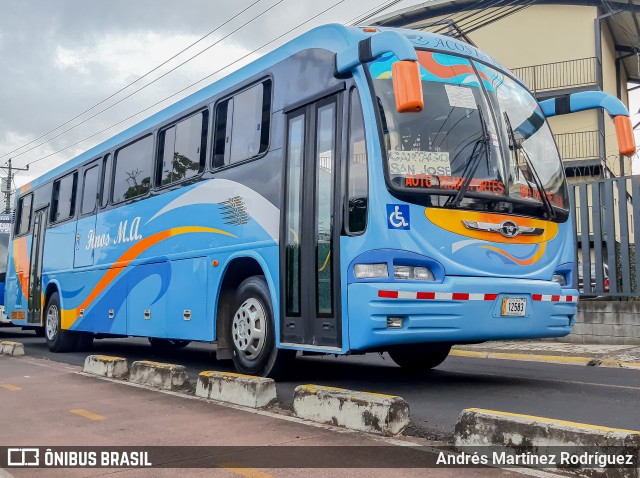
522, 262
69, 316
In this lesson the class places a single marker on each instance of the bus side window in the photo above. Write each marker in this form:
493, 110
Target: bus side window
105, 186
64, 197
89, 190
132, 175
182, 149
357, 175
24, 214
242, 125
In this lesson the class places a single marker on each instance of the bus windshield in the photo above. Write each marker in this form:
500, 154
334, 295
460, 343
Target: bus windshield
480, 143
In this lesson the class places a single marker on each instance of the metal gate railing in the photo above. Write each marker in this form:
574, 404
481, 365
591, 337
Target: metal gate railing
605, 213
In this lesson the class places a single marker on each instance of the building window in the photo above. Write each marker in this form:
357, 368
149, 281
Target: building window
90, 190
357, 176
106, 180
182, 149
242, 125
63, 204
132, 176
24, 214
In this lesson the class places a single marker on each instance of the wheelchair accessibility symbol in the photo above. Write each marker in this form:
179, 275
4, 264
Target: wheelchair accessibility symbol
398, 216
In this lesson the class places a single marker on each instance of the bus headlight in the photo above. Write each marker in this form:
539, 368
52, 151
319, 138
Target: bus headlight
412, 273
560, 279
371, 271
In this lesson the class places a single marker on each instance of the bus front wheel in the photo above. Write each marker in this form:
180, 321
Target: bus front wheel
419, 357
57, 339
252, 331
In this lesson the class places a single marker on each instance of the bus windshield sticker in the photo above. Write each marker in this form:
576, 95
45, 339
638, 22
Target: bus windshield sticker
460, 97
419, 162
493, 186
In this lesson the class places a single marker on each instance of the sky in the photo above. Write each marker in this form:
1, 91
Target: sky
61, 57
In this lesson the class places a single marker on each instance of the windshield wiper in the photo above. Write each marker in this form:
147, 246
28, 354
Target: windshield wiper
515, 146
473, 163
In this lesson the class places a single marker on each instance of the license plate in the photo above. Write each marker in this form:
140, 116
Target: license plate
513, 307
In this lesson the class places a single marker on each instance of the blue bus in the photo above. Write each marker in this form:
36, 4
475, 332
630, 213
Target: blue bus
5, 234
355, 190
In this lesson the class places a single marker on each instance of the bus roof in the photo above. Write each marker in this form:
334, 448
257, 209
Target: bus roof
333, 37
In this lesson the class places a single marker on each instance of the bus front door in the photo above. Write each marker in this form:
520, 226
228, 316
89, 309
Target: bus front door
309, 248
35, 272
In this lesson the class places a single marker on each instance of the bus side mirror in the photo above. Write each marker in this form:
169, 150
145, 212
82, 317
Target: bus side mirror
589, 100
624, 132
407, 86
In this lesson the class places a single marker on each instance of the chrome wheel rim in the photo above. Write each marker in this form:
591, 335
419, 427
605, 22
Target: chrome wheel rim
52, 322
248, 329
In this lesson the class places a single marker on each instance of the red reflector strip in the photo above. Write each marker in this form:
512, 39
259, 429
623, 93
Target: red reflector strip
554, 298
465, 296
393, 294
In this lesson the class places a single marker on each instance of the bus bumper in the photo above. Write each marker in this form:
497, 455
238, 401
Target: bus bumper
461, 309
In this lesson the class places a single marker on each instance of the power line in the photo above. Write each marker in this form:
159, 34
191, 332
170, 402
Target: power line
372, 12
151, 82
133, 82
191, 85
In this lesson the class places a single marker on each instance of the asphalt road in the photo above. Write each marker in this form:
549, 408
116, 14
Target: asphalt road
600, 396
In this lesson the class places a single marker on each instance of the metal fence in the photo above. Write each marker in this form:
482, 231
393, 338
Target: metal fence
606, 211
579, 145
559, 75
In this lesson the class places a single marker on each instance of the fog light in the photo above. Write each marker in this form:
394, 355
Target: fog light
412, 273
370, 271
560, 279
394, 322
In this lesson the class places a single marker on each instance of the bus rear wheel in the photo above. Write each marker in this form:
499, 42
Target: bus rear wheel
58, 340
252, 331
419, 357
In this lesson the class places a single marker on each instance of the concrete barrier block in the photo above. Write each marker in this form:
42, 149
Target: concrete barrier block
369, 412
246, 390
15, 349
106, 366
161, 375
517, 433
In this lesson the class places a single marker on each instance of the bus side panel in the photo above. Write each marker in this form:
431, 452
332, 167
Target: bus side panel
188, 314
146, 299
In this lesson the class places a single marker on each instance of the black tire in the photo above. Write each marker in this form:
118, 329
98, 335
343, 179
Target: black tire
167, 345
251, 354
57, 339
420, 357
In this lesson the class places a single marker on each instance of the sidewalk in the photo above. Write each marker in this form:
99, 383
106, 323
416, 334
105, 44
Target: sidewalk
627, 356
49, 404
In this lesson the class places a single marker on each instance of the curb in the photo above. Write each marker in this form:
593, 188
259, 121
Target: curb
14, 349
106, 366
368, 412
160, 375
559, 359
239, 389
489, 428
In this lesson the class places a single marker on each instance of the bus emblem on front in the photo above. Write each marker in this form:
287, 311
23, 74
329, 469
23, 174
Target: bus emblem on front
506, 228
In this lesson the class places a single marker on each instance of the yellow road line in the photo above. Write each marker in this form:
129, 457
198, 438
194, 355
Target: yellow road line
11, 388
585, 426
87, 414
561, 359
239, 469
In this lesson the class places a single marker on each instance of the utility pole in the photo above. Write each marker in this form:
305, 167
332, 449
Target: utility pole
11, 172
